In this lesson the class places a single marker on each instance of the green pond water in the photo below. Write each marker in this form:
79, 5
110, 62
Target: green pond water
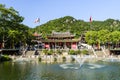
31, 70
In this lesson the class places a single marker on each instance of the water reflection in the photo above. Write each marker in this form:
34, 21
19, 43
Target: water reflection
42, 71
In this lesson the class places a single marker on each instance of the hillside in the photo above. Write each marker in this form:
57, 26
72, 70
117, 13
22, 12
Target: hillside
75, 26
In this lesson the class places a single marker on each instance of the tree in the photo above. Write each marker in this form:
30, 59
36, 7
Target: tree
12, 36
102, 37
11, 26
115, 37
91, 37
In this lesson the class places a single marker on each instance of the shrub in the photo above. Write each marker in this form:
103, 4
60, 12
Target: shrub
5, 58
78, 52
40, 59
72, 52
55, 59
64, 58
59, 52
85, 52
45, 51
50, 52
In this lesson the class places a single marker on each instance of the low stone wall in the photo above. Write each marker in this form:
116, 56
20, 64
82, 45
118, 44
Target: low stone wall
63, 58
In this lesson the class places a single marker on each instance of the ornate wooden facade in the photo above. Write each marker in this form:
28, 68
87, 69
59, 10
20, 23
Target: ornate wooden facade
61, 40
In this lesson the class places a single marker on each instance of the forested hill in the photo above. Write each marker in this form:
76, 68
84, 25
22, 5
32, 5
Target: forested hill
75, 26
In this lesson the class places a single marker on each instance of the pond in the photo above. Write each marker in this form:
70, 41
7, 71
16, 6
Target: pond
34, 70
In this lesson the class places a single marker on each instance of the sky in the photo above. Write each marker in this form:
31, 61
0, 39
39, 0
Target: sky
47, 10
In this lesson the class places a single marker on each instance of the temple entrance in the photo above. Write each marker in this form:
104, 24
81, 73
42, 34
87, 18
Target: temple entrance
59, 40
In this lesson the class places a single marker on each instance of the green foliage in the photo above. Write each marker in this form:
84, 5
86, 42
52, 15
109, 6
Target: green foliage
11, 28
59, 51
77, 27
45, 51
91, 37
55, 59
85, 52
40, 59
115, 37
5, 58
72, 52
12, 34
61, 25
78, 52
64, 58
50, 52
12, 31
102, 37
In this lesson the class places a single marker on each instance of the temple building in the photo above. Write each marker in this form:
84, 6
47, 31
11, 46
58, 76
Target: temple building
58, 40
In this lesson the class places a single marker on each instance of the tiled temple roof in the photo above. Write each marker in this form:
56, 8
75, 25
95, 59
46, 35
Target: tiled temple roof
66, 40
61, 34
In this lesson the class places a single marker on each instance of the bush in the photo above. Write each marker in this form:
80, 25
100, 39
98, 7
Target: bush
5, 58
64, 58
55, 59
72, 52
85, 52
78, 52
45, 51
50, 52
40, 59
59, 52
